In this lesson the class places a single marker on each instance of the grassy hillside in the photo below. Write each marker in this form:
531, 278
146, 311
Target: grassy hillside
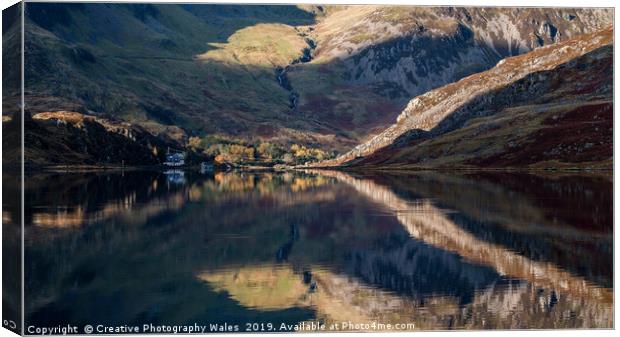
146, 64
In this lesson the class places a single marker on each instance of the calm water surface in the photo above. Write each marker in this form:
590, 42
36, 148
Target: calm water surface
464, 251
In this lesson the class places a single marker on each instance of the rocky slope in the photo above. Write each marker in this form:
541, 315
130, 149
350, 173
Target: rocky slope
317, 75
404, 45
370, 60
552, 107
410, 50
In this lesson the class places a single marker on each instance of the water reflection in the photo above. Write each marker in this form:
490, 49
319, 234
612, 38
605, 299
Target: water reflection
442, 251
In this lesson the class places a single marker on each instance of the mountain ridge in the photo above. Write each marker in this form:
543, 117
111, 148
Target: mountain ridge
442, 110
314, 77
212, 69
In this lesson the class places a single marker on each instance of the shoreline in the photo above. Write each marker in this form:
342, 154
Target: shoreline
453, 169
111, 168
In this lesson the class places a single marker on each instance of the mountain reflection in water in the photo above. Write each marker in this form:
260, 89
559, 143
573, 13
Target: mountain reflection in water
465, 251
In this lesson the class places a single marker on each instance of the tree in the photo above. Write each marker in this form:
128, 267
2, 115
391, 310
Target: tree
269, 151
236, 153
194, 143
288, 158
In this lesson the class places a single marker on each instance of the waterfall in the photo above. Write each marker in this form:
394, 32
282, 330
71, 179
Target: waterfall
281, 73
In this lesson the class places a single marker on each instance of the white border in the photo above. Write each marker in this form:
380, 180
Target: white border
500, 3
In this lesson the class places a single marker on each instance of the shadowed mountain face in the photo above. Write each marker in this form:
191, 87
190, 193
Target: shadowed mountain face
308, 74
549, 108
443, 251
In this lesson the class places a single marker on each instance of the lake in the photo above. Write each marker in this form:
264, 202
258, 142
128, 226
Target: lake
468, 250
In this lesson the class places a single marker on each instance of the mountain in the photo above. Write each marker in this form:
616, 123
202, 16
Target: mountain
552, 107
321, 76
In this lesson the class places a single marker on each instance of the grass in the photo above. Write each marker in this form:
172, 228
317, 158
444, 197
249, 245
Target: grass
264, 45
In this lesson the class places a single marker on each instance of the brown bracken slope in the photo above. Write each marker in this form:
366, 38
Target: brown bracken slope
550, 108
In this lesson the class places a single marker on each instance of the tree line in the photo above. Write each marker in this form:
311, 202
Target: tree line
237, 151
